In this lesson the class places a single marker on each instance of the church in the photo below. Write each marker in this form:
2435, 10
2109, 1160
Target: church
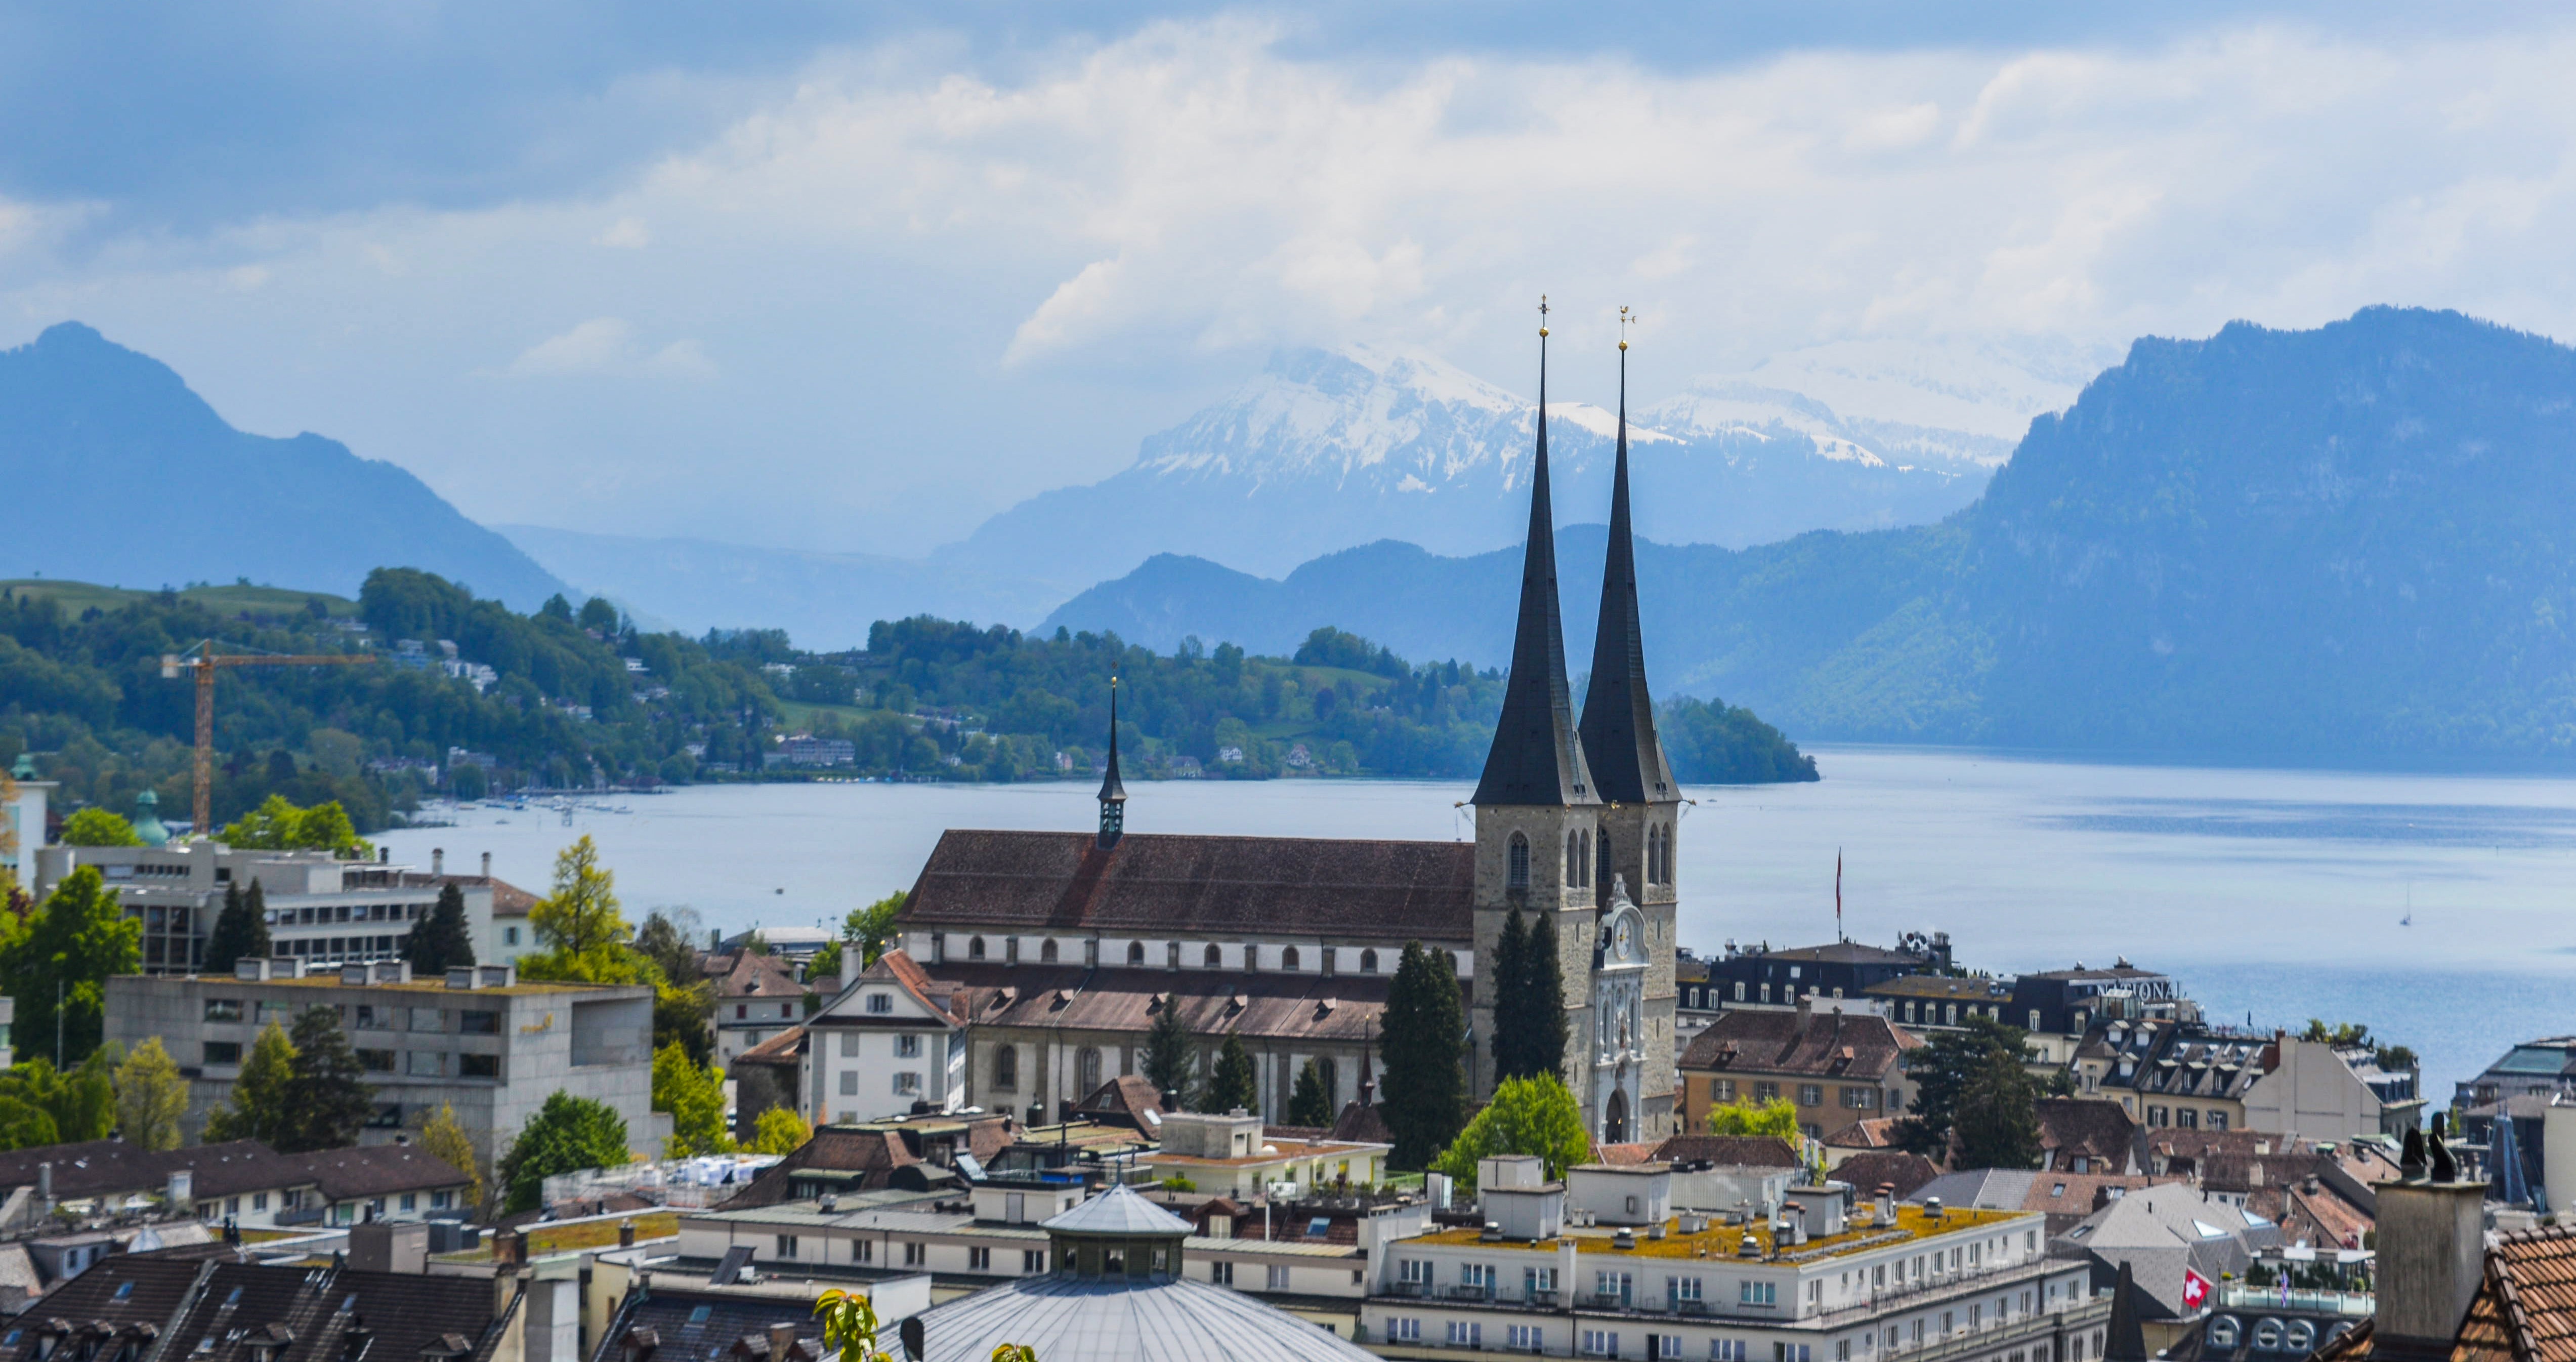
1046, 956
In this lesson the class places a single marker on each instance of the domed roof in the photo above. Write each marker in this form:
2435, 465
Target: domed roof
1108, 1319
1117, 1211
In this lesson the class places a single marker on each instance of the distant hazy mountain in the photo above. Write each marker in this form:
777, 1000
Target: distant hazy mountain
1331, 450
116, 473
825, 601
2343, 545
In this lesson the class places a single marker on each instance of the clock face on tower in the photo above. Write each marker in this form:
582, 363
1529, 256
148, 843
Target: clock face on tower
1627, 932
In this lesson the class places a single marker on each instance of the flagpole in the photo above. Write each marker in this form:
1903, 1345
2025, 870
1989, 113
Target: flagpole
1838, 895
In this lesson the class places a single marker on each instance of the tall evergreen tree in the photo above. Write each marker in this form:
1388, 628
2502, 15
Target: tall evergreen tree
1234, 1082
441, 941
1310, 1105
1542, 993
241, 929
1167, 1053
1996, 1119
1426, 1084
1511, 1010
328, 1100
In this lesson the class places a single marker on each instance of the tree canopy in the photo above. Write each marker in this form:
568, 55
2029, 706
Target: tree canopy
99, 828
441, 941
694, 1096
1233, 1082
151, 1098
1777, 1117
1536, 1115
328, 1099
259, 1106
241, 929
278, 825
1168, 1047
780, 1131
66, 950
1529, 1000
1942, 1069
1308, 1103
584, 934
1996, 1121
41, 1105
1425, 1102
566, 1135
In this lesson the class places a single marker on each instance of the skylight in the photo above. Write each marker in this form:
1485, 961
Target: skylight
2207, 1230
2256, 1221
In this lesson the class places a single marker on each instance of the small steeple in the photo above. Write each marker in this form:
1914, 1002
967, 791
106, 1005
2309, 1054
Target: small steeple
1536, 758
1113, 792
1620, 745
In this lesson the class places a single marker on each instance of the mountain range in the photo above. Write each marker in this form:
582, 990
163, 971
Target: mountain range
2338, 545
119, 474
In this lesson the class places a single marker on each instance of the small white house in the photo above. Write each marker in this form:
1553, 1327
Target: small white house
893, 1038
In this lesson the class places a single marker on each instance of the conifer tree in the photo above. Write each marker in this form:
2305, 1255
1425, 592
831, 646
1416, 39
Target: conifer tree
441, 941
1234, 1082
1310, 1105
1167, 1053
1542, 993
1426, 1084
240, 931
1511, 1010
328, 1100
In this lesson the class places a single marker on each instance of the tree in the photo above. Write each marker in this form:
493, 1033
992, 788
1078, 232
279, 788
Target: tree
278, 825
1167, 1052
66, 950
24, 1125
241, 929
1996, 1121
442, 941
1234, 1084
1542, 1001
78, 1105
780, 1131
681, 1018
695, 1099
1426, 1083
1941, 1070
1777, 1117
328, 1100
99, 828
669, 940
443, 1137
1309, 1104
1535, 1115
257, 1109
1510, 968
584, 934
873, 927
566, 1135
151, 1097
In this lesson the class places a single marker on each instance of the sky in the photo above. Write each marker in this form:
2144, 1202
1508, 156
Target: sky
852, 278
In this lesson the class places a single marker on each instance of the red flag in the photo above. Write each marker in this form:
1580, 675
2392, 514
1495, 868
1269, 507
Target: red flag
2195, 1290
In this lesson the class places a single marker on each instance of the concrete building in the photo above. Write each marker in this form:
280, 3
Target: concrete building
478, 1041
2318, 1091
322, 910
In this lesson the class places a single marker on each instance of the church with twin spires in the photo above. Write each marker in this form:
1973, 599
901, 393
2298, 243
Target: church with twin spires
1046, 957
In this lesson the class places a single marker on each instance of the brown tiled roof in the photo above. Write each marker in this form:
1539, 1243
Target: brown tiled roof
1361, 1124
2074, 1196
1623, 1155
874, 1151
782, 1048
377, 1170
1877, 1132
1799, 1044
759, 976
2525, 1310
1314, 1007
508, 900
1124, 1099
1728, 1151
1027, 882
1866, 1171
2086, 1127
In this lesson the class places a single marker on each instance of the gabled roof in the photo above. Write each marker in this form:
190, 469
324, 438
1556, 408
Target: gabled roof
1906, 1172
1728, 1151
1859, 1046
1346, 1008
2525, 1309
119, 1291
938, 1001
1030, 883
665, 1324
378, 1170
758, 976
1117, 1211
1126, 1100
112, 1168
2088, 1127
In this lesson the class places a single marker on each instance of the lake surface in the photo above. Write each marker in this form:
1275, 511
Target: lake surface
2274, 896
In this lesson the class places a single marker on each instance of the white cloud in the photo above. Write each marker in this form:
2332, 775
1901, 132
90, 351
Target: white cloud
594, 346
626, 234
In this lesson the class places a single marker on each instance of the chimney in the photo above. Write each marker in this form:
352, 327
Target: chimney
487, 865
626, 1234
849, 963
2432, 1249
438, 860
45, 1183
782, 1336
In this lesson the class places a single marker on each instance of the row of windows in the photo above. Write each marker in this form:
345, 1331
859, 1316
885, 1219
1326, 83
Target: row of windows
411, 1063
2187, 1118
914, 1253
1723, 1090
1588, 858
1288, 958
1595, 1342
342, 912
366, 1016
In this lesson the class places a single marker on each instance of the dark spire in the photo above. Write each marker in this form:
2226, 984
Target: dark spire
1620, 744
1536, 758
1113, 792
2128, 1340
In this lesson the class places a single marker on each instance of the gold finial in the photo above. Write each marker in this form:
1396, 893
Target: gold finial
1542, 316
1624, 320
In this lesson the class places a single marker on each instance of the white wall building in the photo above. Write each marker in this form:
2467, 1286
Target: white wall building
890, 1039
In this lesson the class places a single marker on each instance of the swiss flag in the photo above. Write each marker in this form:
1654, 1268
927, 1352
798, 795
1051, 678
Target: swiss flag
2195, 1290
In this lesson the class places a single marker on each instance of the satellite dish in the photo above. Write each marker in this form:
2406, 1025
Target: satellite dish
910, 1332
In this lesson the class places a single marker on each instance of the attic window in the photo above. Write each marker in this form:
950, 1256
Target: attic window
124, 1290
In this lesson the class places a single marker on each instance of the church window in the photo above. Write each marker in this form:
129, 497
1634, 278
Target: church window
1368, 959
1574, 860
1087, 1065
1006, 1067
1215, 958
1288, 959
1046, 952
975, 948
1519, 862
1135, 952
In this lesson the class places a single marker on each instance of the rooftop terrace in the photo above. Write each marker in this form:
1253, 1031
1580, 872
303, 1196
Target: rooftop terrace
1913, 1223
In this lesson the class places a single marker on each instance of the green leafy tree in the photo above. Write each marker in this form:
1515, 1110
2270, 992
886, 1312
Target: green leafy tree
328, 1100
278, 825
583, 933
79, 1105
1996, 1119
873, 926
1941, 1069
1309, 1104
694, 1097
66, 950
443, 1137
151, 1097
258, 1107
441, 941
1527, 1116
1168, 1044
780, 1131
1426, 1081
682, 1017
1777, 1118
241, 929
1234, 1083
566, 1135
99, 828
24, 1125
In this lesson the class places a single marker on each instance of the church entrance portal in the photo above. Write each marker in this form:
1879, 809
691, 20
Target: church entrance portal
1614, 1120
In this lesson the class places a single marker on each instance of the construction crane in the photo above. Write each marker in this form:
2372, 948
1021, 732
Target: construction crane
203, 662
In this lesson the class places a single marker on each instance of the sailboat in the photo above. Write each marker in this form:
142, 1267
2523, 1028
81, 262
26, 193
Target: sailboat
2409, 919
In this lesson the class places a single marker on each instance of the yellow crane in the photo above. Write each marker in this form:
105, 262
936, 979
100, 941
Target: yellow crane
202, 662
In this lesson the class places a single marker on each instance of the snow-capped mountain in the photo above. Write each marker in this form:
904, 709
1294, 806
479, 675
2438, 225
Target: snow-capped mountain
1327, 450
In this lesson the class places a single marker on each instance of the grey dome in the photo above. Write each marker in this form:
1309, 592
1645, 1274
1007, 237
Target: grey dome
1103, 1319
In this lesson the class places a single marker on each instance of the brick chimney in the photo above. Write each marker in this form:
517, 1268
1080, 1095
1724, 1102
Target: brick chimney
782, 1338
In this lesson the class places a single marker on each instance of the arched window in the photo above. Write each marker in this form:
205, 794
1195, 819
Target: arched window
1006, 1067
1368, 959
1215, 957
1088, 1068
1519, 862
1046, 953
1288, 959
1172, 956
1135, 952
975, 948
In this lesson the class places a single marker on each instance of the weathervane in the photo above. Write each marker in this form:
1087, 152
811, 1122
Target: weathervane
1542, 316
1624, 321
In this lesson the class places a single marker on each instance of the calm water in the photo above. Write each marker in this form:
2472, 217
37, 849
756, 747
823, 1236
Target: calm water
2273, 895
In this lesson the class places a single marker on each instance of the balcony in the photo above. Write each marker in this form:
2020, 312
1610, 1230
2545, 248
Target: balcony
1469, 1292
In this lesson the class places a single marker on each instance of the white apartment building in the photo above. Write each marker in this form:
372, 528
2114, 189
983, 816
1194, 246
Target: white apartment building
891, 1042
1810, 1282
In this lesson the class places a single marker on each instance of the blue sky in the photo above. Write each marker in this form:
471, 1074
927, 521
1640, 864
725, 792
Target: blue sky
852, 277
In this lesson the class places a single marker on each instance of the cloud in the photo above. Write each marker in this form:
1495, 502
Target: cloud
607, 345
626, 234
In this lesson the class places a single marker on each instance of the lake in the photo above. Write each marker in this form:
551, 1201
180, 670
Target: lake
2273, 895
